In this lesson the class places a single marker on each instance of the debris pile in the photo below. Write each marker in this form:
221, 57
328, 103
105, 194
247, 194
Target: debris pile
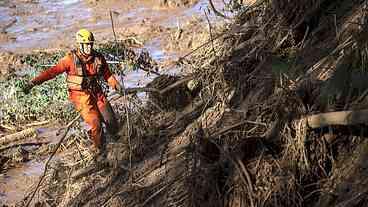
249, 126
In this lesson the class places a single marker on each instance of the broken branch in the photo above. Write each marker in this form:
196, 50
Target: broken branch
18, 136
67, 128
337, 118
26, 144
216, 11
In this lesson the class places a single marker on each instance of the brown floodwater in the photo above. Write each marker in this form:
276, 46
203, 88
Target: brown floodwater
17, 181
47, 24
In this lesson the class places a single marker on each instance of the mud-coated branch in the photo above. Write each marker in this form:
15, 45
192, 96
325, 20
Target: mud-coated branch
67, 128
216, 11
27, 144
18, 136
337, 118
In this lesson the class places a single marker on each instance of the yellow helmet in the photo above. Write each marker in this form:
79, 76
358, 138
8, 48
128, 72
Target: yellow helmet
84, 36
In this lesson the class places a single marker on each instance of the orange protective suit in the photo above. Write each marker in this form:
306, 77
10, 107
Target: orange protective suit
91, 104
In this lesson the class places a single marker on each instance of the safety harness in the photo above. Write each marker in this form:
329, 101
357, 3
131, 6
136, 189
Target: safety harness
80, 80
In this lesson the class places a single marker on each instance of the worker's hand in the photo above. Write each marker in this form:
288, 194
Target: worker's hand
120, 89
27, 87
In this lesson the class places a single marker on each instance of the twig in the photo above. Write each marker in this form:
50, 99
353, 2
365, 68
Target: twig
304, 37
243, 173
249, 180
210, 31
23, 145
67, 128
336, 29
236, 125
126, 107
141, 68
5, 27
278, 46
40, 123
153, 195
216, 11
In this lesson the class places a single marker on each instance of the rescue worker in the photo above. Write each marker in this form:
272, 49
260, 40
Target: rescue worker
84, 68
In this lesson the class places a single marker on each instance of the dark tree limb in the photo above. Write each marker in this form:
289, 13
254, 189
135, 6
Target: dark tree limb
47, 164
26, 144
216, 11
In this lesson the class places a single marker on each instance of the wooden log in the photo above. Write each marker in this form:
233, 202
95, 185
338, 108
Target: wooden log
40, 123
96, 167
177, 84
337, 118
27, 144
143, 89
30, 132
7, 127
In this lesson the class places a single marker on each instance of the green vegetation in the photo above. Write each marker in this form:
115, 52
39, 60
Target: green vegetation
44, 102
49, 100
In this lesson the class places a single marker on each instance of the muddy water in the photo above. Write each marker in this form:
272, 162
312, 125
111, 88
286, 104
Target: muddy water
48, 24
18, 181
38, 24
53, 23
15, 182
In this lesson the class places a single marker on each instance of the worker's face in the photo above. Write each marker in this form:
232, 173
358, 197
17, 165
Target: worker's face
86, 48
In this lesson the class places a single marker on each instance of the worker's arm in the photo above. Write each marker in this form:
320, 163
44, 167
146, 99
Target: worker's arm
109, 77
62, 66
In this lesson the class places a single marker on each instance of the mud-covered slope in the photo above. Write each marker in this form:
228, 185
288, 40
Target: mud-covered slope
246, 137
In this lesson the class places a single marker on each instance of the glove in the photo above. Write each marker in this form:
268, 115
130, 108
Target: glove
27, 87
120, 89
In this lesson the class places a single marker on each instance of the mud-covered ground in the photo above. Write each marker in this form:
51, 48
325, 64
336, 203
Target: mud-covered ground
167, 32
27, 26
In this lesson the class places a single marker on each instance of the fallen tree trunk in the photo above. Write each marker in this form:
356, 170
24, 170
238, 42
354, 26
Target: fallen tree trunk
337, 118
30, 132
40, 123
176, 84
139, 90
27, 144
173, 93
